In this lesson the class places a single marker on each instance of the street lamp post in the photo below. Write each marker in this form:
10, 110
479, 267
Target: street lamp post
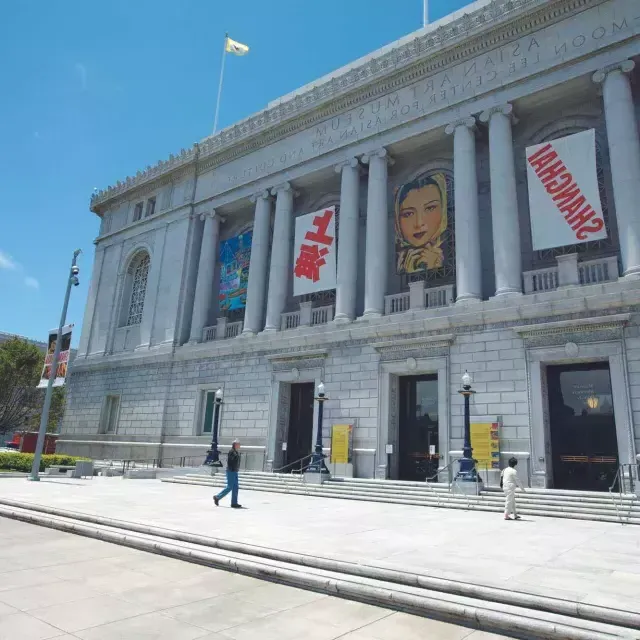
468, 472
44, 418
317, 461
213, 455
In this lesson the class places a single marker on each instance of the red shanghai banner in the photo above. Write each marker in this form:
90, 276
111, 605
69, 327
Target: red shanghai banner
564, 200
63, 358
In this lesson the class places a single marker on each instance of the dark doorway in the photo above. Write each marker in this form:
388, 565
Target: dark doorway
418, 428
584, 447
300, 423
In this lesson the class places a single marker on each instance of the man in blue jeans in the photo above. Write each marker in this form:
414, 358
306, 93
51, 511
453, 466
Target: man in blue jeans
233, 465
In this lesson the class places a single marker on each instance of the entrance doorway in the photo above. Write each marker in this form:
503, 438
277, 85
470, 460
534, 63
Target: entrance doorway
418, 451
300, 433
584, 446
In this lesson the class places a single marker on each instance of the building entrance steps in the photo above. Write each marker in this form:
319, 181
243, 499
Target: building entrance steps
602, 507
517, 614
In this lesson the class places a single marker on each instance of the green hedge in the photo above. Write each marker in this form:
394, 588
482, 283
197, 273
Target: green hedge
23, 461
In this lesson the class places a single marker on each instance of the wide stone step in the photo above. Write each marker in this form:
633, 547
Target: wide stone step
455, 502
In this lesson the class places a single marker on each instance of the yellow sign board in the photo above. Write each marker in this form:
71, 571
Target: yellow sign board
341, 443
485, 441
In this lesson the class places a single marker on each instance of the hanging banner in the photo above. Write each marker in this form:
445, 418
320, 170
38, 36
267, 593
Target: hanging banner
63, 357
421, 221
315, 252
485, 442
235, 254
341, 443
564, 199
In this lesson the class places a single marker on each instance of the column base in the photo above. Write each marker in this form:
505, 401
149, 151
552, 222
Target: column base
468, 299
632, 273
142, 347
248, 333
501, 293
342, 318
269, 330
370, 314
193, 341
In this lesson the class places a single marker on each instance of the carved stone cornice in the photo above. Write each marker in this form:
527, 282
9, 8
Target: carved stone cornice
430, 51
581, 325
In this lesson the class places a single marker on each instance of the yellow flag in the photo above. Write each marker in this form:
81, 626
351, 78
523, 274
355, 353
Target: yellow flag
237, 48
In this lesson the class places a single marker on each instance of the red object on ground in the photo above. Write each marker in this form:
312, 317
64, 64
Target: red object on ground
28, 440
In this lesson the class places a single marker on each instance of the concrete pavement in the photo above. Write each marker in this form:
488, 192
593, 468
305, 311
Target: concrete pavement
60, 586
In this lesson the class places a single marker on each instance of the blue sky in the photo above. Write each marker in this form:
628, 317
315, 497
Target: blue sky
94, 91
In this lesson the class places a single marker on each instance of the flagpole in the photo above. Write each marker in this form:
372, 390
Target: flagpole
425, 13
224, 55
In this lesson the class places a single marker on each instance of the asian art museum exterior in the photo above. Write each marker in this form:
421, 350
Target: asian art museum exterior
464, 199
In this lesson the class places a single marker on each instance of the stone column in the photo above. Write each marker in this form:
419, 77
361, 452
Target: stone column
346, 290
377, 236
254, 311
281, 258
465, 184
624, 156
206, 272
504, 202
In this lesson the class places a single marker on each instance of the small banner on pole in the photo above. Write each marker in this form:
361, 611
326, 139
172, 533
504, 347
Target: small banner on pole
63, 357
485, 442
315, 252
564, 198
341, 443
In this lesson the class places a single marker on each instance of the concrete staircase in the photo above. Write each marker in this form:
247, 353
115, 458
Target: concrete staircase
579, 505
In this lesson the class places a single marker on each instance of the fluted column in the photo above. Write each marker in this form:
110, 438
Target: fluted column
624, 156
465, 184
377, 236
504, 202
254, 310
281, 258
206, 272
346, 289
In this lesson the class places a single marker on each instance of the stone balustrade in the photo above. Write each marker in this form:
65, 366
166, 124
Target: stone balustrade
569, 272
419, 298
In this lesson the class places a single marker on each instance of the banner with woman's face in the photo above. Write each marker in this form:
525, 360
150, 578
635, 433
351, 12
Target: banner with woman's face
420, 222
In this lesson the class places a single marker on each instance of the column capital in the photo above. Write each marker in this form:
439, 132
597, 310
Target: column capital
261, 195
377, 153
208, 214
469, 123
625, 66
502, 109
351, 162
285, 187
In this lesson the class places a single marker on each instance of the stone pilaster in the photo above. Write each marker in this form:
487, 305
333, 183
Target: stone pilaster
465, 183
206, 271
346, 289
281, 258
256, 287
377, 236
624, 156
504, 202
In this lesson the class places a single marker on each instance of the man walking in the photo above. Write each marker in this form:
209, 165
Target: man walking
510, 482
233, 465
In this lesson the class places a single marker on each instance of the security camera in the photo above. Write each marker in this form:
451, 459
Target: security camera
74, 281
75, 270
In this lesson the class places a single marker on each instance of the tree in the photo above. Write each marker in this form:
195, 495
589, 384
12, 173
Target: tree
20, 366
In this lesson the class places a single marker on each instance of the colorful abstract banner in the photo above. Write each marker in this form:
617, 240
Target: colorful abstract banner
315, 252
421, 221
485, 441
564, 199
63, 357
235, 254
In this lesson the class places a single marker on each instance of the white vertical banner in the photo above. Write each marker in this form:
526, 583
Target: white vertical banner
314, 267
564, 200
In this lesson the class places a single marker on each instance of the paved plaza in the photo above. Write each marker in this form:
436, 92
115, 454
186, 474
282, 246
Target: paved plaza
56, 585
591, 562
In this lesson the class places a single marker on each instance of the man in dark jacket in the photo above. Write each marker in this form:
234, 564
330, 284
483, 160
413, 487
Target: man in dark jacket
233, 466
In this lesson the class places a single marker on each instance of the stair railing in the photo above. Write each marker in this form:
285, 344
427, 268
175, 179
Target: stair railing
625, 472
296, 473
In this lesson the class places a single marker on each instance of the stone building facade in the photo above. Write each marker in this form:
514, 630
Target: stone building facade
462, 98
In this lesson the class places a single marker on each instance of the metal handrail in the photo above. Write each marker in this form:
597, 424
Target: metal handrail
633, 468
291, 464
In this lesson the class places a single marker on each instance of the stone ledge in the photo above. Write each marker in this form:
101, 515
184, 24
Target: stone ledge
580, 324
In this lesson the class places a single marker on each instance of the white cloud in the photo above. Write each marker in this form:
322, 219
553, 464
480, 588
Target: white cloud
81, 70
6, 261
31, 282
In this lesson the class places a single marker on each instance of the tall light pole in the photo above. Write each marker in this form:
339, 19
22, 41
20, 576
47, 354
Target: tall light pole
213, 455
44, 418
317, 461
467, 471
425, 13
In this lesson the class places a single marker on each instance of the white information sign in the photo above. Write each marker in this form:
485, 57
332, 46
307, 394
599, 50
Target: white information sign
314, 266
564, 201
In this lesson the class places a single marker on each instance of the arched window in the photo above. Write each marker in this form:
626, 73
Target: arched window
138, 274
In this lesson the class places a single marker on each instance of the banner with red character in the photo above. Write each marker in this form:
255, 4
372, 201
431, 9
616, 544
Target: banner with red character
314, 267
63, 357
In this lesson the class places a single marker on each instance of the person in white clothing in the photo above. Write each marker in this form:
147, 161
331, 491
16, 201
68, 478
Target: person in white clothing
510, 482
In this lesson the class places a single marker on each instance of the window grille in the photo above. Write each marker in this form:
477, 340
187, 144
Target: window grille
138, 291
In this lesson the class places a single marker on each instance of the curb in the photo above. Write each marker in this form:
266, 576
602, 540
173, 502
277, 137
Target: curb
547, 604
473, 616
